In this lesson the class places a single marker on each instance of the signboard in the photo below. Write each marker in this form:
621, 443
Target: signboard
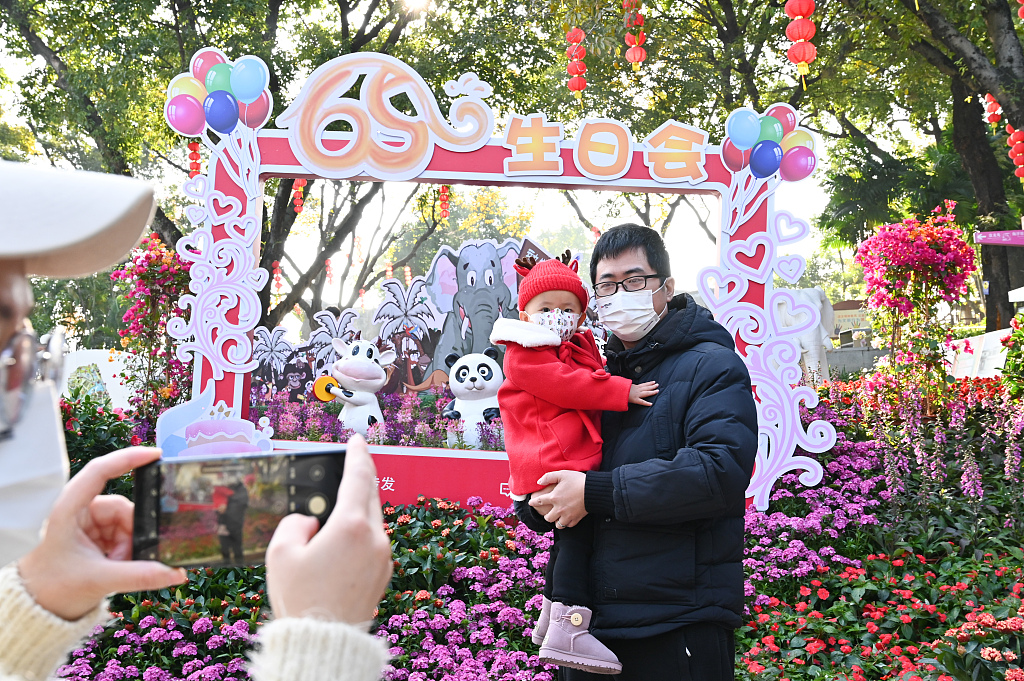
531, 150
1010, 237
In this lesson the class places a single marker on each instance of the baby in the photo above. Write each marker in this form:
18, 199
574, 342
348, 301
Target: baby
551, 401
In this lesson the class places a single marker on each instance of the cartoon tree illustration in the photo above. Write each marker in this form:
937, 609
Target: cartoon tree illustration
331, 327
272, 352
405, 316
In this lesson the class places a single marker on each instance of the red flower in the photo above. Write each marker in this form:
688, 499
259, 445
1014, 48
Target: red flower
823, 593
136, 440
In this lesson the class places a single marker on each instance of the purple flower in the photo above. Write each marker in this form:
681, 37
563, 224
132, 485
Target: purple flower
216, 642
147, 622
183, 648
202, 625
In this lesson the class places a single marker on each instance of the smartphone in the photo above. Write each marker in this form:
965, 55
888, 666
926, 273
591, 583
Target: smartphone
215, 511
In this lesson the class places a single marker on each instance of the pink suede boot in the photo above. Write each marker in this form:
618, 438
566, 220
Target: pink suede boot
568, 642
541, 628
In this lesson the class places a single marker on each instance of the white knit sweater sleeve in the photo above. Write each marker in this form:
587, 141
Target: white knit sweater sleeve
313, 650
34, 641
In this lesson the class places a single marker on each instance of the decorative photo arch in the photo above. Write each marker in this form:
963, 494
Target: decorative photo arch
759, 153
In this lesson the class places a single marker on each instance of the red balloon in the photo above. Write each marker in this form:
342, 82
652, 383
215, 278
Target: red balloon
734, 159
203, 60
256, 114
784, 114
797, 163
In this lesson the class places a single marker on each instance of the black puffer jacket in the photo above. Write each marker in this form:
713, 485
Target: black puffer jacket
668, 502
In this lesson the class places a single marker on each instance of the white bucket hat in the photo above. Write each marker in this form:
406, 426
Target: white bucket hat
65, 223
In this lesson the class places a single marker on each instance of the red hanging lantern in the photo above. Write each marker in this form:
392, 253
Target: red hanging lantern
297, 201
800, 30
992, 108
576, 67
636, 54
408, 276
389, 272
362, 299
276, 266
329, 271
193, 167
1015, 140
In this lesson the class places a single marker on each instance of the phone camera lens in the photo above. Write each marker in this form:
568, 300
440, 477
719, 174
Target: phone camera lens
316, 473
317, 505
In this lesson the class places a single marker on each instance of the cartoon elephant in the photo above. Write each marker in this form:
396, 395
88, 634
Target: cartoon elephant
471, 288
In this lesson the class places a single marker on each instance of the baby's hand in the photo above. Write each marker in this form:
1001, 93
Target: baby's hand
638, 392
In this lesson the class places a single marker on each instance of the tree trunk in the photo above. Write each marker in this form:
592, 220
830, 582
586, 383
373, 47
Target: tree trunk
971, 141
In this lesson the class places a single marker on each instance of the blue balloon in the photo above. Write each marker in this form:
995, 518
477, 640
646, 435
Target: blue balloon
743, 127
765, 158
221, 111
249, 77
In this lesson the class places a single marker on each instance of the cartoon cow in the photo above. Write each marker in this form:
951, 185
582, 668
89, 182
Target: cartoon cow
360, 374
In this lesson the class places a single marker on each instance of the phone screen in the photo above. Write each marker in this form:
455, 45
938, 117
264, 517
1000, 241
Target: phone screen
223, 511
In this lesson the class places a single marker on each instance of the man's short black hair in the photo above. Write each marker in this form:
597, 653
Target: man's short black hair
631, 237
334, 310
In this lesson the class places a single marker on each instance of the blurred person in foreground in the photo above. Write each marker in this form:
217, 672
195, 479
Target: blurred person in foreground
64, 546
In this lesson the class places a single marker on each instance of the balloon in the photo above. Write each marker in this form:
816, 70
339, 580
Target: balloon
797, 163
221, 111
249, 77
184, 84
734, 159
203, 60
765, 158
743, 127
797, 138
185, 115
771, 130
218, 79
256, 114
784, 114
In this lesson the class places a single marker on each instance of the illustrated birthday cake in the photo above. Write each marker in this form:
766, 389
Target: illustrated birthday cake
221, 433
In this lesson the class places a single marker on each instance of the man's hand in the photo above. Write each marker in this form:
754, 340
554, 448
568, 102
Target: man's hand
561, 502
340, 572
638, 392
86, 552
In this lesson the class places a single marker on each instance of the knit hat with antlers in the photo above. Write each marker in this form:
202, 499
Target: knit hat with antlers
556, 274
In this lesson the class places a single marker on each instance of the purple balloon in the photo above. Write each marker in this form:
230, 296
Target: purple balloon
184, 113
765, 158
797, 163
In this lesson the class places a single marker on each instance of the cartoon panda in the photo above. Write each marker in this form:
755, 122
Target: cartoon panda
474, 380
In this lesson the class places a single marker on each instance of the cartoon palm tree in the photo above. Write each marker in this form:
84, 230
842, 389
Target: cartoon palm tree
406, 315
271, 351
330, 328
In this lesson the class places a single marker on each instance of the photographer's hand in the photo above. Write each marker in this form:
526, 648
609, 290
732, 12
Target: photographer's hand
86, 551
339, 573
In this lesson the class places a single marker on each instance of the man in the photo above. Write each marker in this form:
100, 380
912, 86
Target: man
669, 499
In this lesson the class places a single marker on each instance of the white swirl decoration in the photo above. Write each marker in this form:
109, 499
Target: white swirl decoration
225, 281
772, 351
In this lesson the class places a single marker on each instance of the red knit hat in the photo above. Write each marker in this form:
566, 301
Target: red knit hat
551, 275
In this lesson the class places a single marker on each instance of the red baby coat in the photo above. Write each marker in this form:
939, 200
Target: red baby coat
551, 401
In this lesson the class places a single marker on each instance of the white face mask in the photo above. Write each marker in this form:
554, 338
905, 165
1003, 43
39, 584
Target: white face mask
33, 470
629, 315
562, 323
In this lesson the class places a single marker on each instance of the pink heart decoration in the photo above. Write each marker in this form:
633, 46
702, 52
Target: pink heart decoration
244, 230
196, 246
789, 229
762, 271
196, 214
790, 268
196, 187
713, 285
790, 316
229, 208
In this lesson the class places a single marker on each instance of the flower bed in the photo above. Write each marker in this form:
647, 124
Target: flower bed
890, 568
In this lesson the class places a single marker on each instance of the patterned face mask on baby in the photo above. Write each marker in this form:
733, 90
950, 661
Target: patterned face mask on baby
562, 323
